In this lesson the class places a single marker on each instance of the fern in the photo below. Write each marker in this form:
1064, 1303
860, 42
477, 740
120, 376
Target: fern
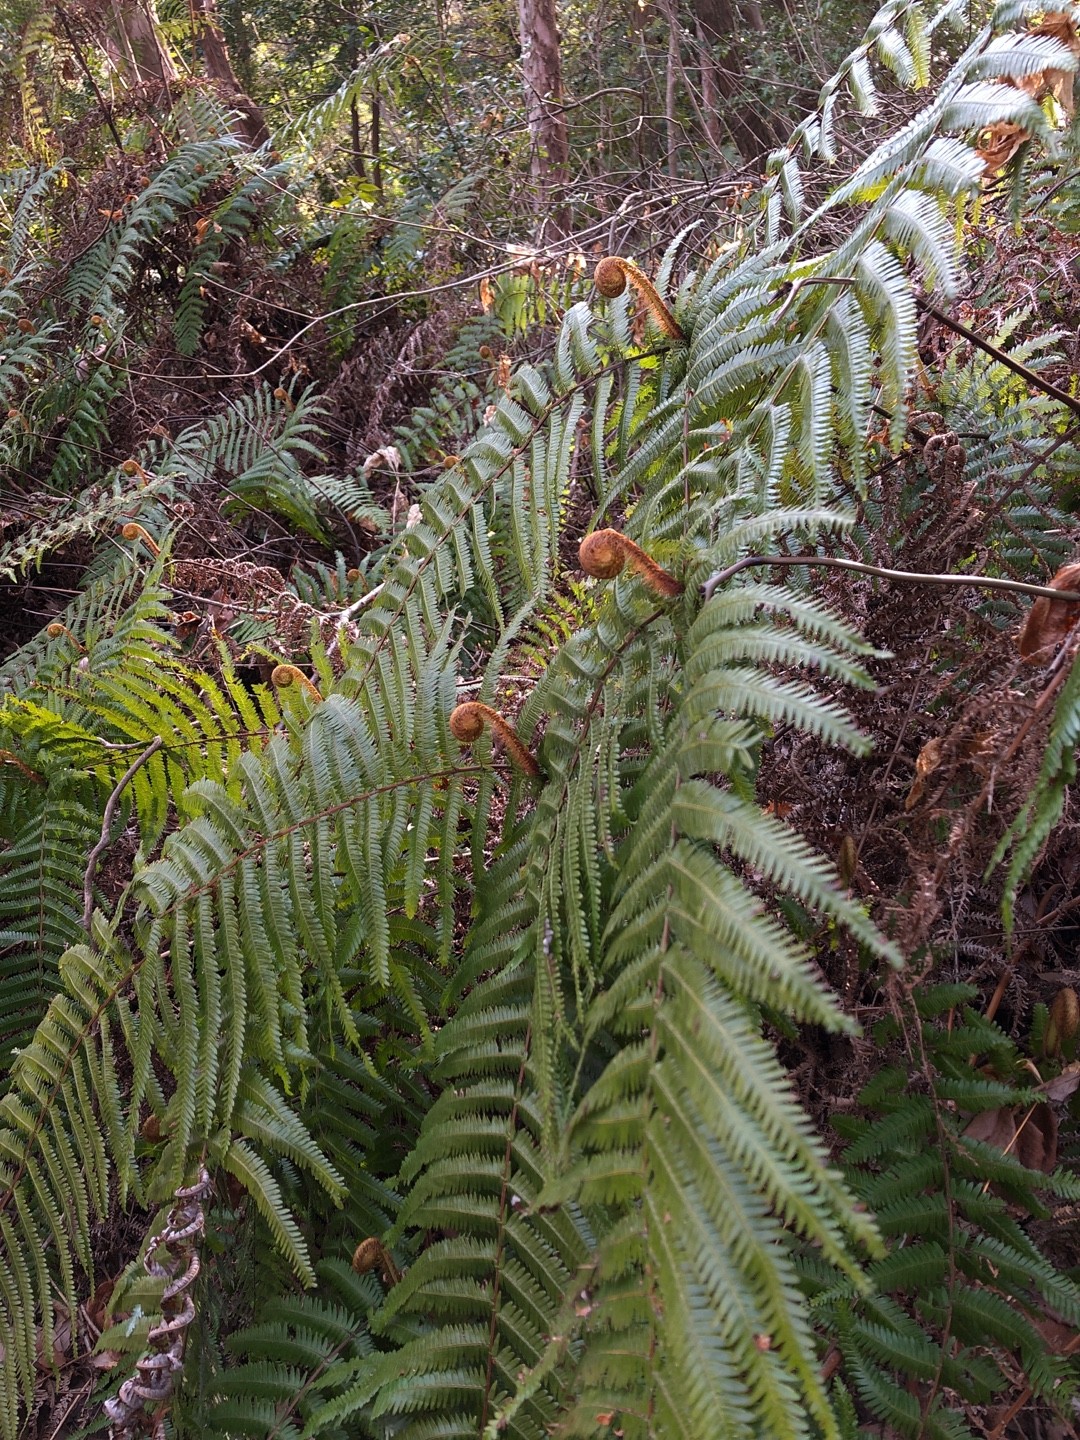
511, 1027
1043, 806
959, 1261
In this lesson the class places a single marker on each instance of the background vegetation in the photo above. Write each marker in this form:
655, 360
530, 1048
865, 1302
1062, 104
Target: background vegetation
454, 982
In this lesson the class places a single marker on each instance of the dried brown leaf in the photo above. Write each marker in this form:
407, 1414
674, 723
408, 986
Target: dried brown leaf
1030, 1136
1065, 1085
1058, 83
999, 143
929, 758
1049, 621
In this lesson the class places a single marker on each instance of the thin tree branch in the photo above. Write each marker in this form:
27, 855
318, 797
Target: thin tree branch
958, 328
984, 582
106, 825
80, 57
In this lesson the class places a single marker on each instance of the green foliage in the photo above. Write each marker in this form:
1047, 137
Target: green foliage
950, 1206
512, 1028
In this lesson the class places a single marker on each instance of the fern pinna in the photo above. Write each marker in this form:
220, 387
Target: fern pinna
505, 1023
949, 1194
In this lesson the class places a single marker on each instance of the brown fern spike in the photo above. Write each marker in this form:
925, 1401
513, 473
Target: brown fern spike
611, 277
1063, 1022
467, 722
605, 553
131, 531
285, 675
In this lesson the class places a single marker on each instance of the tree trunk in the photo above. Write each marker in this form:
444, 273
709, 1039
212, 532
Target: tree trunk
376, 142
237, 30
354, 140
669, 104
710, 98
748, 126
542, 71
219, 67
133, 42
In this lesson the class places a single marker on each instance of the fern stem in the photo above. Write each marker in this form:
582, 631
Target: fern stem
500, 1243
150, 1389
482, 489
985, 582
106, 825
263, 841
8, 757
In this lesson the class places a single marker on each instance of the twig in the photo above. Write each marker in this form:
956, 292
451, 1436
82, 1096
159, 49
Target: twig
347, 614
985, 582
358, 605
1025, 1395
106, 825
1031, 376
109, 121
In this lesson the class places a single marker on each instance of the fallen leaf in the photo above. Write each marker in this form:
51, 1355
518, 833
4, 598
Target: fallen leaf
1049, 621
388, 455
999, 143
97, 1307
1065, 1085
1036, 1139
993, 1127
106, 1359
1058, 83
928, 760
1029, 1135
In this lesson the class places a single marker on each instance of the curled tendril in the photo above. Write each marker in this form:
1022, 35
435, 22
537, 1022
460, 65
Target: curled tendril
467, 723
605, 553
285, 675
131, 531
611, 277
132, 467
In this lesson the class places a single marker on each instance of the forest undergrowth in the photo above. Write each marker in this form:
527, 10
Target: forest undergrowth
531, 899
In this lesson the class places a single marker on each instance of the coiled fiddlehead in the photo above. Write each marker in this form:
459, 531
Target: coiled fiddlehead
467, 723
133, 531
285, 675
605, 553
611, 276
